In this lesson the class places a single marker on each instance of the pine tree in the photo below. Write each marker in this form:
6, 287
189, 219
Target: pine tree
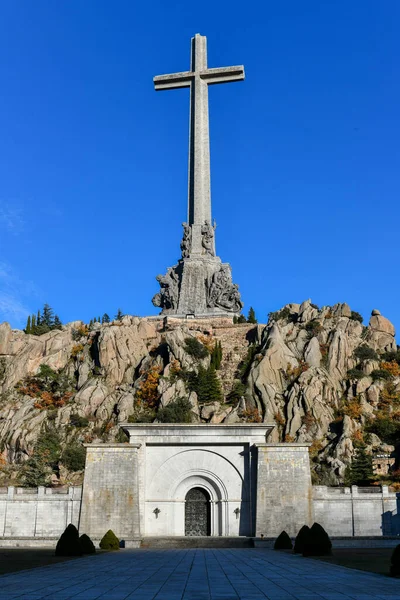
98, 320
28, 325
90, 322
216, 356
38, 319
360, 471
119, 315
105, 318
241, 319
57, 322
33, 324
251, 317
48, 316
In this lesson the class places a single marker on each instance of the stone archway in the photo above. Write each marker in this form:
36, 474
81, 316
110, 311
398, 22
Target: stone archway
197, 512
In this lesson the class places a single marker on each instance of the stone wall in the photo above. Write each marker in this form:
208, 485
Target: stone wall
38, 513
284, 491
357, 511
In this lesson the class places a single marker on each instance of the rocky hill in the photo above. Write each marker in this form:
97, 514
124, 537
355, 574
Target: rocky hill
319, 374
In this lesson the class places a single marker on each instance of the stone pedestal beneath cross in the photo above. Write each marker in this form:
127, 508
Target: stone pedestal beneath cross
200, 284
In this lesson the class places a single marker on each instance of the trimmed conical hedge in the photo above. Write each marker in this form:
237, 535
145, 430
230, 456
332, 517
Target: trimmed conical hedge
87, 544
109, 541
300, 539
283, 542
395, 562
69, 543
317, 542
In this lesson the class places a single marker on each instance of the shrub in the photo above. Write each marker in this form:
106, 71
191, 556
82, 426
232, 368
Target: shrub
300, 539
390, 356
69, 543
109, 541
87, 544
317, 542
356, 316
283, 542
245, 365
284, 313
238, 390
74, 457
195, 348
395, 562
147, 391
392, 367
313, 327
364, 352
78, 421
380, 374
355, 374
179, 411
386, 427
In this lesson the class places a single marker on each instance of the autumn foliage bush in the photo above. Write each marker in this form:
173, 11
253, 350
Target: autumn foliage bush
49, 388
147, 391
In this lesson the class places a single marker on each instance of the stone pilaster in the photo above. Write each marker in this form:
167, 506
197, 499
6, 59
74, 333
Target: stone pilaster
284, 490
110, 497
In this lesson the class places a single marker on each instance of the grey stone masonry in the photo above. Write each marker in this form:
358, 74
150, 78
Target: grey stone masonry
199, 284
284, 490
110, 498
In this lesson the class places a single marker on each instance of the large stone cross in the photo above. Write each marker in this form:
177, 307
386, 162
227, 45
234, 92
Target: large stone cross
198, 79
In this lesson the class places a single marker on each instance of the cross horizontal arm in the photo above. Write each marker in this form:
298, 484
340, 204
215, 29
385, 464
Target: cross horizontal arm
223, 74
174, 80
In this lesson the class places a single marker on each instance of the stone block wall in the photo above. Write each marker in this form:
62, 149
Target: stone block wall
38, 513
284, 491
357, 511
110, 498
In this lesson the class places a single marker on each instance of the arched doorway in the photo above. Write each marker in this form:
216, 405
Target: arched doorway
197, 512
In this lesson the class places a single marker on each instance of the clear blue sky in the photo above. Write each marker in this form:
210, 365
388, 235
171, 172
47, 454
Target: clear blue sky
93, 162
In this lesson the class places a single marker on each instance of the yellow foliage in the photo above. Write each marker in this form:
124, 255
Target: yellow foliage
389, 395
252, 415
147, 392
280, 420
315, 447
207, 341
391, 367
289, 439
293, 373
76, 350
353, 409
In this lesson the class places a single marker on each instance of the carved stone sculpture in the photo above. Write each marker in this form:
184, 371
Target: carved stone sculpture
186, 243
207, 232
223, 293
167, 297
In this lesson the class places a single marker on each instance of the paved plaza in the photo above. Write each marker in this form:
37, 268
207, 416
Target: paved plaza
220, 574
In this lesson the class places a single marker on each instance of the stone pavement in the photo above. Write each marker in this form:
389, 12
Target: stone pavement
197, 574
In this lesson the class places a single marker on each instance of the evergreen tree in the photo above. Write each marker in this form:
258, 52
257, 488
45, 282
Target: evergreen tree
105, 318
360, 471
98, 320
241, 319
119, 315
57, 322
216, 356
235, 319
207, 385
33, 324
48, 316
28, 325
90, 322
251, 317
38, 319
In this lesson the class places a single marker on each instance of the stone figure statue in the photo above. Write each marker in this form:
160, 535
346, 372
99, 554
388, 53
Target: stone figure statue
207, 232
222, 293
168, 295
186, 243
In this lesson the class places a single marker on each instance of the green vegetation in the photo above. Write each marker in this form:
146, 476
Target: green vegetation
87, 544
283, 314
317, 542
49, 388
364, 352
42, 323
105, 318
251, 317
69, 543
44, 461
109, 541
238, 390
78, 420
300, 539
355, 374
73, 457
386, 426
356, 316
244, 366
392, 356
240, 319
216, 356
206, 385
360, 471
195, 348
283, 542
380, 374
179, 411
119, 316
313, 328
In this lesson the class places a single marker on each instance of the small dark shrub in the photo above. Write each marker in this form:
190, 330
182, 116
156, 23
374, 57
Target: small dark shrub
179, 411
356, 316
380, 374
195, 348
317, 542
87, 544
395, 562
74, 457
283, 542
355, 374
109, 541
69, 543
78, 421
300, 539
365, 353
